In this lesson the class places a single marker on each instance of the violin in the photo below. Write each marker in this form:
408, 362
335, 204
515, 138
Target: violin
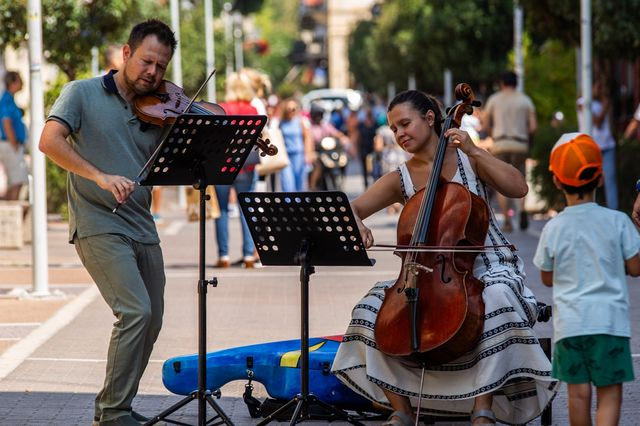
434, 312
163, 106
169, 101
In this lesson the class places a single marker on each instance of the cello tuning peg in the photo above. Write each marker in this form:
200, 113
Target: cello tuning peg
476, 103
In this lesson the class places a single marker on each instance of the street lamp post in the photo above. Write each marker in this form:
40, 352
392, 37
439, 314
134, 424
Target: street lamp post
39, 197
228, 36
237, 36
517, 44
585, 50
210, 48
177, 75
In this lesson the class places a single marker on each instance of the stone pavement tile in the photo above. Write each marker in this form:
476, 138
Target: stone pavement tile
22, 275
19, 317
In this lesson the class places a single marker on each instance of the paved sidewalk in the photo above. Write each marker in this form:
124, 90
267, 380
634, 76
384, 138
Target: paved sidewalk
57, 346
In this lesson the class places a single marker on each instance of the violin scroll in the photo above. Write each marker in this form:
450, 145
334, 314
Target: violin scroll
266, 147
465, 95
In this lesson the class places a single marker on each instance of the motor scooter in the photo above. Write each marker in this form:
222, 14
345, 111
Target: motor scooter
332, 160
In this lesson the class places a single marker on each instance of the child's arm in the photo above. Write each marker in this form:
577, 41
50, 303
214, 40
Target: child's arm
632, 266
547, 278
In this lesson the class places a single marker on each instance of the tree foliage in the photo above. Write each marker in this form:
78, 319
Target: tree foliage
426, 36
70, 28
554, 27
614, 25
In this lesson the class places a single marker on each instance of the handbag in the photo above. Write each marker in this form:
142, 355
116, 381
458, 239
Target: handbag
270, 164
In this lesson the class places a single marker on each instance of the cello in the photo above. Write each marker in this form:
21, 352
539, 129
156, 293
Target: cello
434, 312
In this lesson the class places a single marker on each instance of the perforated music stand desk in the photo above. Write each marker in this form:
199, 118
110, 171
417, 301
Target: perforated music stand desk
305, 229
202, 150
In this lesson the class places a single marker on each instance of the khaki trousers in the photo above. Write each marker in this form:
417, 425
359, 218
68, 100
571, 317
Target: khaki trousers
130, 277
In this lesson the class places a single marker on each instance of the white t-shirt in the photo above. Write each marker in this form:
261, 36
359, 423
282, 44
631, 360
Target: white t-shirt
585, 246
636, 114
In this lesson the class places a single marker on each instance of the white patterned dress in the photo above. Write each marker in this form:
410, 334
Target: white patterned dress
507, 361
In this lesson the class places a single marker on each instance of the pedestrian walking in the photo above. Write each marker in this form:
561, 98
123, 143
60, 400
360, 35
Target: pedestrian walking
13, 135
601, 133
107, 146
366, 134
299, 147
510, 119
584, 253
238, 97
507, 351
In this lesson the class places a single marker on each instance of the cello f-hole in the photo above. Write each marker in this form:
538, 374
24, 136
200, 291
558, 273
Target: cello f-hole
441, 260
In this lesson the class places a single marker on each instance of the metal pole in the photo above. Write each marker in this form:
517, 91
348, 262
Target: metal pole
411, 83
237, 35
391, 91
228, 37
585, 41
210, 48
38, 166
517, 44
448, 83
95, 63
177, 76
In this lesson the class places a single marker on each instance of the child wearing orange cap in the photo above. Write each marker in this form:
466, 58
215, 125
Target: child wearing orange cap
584, 253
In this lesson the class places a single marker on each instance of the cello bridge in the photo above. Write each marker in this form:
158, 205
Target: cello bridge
415, 268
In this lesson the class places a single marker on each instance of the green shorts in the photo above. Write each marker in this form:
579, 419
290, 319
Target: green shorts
601, 359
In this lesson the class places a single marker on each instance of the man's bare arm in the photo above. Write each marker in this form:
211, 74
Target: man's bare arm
53, 142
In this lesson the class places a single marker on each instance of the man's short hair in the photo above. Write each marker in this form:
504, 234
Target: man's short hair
152, 27
509, 79
11, 77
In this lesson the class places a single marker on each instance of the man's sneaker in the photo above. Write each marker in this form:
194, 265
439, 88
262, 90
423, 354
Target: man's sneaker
126, 420
137, 416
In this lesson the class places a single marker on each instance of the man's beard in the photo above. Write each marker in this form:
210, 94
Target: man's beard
135, 88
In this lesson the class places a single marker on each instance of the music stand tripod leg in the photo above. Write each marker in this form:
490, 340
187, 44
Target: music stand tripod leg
304, 400
203, 395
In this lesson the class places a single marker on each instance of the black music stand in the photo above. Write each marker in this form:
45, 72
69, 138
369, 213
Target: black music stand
202, 150
306, 229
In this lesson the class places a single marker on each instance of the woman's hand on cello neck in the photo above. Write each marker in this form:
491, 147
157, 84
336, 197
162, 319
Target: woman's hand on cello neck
501, 176
461, 140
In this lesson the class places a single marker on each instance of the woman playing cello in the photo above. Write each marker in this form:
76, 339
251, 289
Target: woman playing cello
507, 375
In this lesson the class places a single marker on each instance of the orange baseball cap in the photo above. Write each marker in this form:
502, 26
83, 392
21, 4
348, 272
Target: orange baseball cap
572, 154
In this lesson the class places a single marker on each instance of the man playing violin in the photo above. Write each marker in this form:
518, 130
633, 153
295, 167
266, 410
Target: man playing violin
506, 376
93, 133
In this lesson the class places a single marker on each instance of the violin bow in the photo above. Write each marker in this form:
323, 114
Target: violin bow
199, 90
435, 249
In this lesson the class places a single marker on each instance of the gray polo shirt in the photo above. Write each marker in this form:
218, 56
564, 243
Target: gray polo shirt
105, 132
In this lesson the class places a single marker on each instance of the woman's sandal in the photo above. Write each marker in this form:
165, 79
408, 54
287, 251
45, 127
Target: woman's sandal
486, 414
399, 418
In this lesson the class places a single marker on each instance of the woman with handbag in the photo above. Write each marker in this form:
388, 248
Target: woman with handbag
238, 102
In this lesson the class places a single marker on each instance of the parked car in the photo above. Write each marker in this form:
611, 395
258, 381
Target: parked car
330, 99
